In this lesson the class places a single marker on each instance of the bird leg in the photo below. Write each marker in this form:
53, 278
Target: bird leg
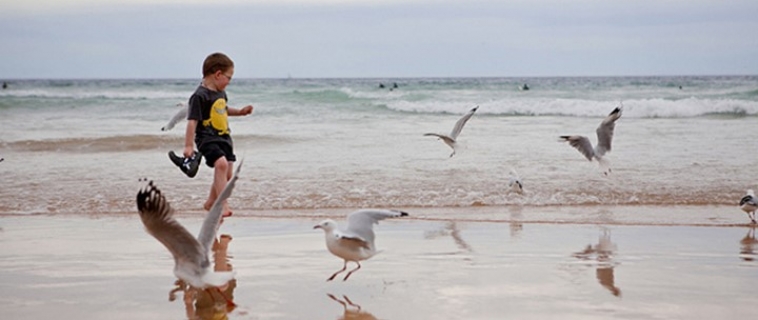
344, 267
344, 305
351, 303
351, 271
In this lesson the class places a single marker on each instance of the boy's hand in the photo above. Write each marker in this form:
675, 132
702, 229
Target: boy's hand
188, 152
246, 110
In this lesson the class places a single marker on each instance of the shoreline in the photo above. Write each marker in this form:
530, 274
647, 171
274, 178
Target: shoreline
107, 266
614, 215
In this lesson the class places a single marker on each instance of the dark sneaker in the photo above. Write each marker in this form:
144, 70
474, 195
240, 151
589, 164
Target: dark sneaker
188, 165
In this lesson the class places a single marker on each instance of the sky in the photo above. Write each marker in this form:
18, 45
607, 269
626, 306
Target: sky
118, 39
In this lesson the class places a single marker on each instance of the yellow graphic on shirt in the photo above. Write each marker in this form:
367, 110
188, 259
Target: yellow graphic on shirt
218, 117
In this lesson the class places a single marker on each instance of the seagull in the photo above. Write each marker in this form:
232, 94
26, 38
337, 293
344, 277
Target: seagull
191, 262
356, 242
604, 137
179, 116
749, 204
514, 182
451, 139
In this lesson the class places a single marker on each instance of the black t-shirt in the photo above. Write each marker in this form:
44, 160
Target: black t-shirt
209, 108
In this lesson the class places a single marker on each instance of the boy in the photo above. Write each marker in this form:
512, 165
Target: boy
207, 124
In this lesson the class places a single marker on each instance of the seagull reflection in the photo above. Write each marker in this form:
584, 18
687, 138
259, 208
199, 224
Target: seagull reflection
214, 302
516, 226
602, 252
747, 245
350, 309
451, 229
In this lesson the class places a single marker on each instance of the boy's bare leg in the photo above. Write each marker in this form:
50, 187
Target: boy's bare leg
221, 174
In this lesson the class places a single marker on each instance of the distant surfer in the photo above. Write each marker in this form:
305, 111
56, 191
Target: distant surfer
5, 85
381, 85
524, 87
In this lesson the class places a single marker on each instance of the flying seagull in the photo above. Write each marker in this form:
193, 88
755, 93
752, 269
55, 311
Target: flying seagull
450, 140
191, 262
749, 204
604, 137
179, 116
356, 242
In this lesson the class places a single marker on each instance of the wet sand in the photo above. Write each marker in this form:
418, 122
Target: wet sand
452, 263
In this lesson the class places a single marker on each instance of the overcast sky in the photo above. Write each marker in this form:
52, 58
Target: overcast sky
373, 38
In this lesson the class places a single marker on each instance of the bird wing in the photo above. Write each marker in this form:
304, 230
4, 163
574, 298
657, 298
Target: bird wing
461, 122
179, 116
213, 219
351, 241
749, 200
582, 144
360, 224
605, 132
441, 136
157, 216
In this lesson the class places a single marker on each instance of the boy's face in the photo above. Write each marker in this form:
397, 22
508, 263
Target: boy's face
222, 78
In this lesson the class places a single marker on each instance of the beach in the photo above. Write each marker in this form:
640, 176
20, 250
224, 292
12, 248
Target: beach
519, 265
661, 237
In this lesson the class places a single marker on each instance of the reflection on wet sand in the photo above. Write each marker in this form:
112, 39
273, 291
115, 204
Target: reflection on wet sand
603, 254
747, 245
515, 225
210, 303
450, 229
350, 309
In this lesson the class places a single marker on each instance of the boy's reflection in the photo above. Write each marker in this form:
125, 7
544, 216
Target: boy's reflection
210, 303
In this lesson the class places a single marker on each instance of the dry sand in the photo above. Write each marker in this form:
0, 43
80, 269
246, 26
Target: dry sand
453, 263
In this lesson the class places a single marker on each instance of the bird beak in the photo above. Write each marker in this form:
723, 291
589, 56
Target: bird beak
318, 226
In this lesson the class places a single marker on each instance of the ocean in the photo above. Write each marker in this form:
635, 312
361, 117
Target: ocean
80, 146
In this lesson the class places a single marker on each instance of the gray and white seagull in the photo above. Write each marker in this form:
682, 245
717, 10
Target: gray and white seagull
178, 117
604, 137
451, 140
356, 242
191, 262
749, 204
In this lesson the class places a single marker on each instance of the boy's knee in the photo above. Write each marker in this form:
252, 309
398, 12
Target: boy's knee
221, 164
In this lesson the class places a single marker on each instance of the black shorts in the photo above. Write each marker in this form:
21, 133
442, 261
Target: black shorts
212, 151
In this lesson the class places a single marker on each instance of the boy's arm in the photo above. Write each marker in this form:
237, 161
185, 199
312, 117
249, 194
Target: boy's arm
240, 112
189, 138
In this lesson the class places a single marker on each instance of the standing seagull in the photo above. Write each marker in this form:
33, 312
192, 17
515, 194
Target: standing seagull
604, 137
514, 182
749, 204
191, 263
179, 116
356, 242
451, 139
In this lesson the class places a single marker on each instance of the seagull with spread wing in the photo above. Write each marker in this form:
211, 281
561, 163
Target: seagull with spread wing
178, 116
604, 136
356, 242
191, 262
451, 140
